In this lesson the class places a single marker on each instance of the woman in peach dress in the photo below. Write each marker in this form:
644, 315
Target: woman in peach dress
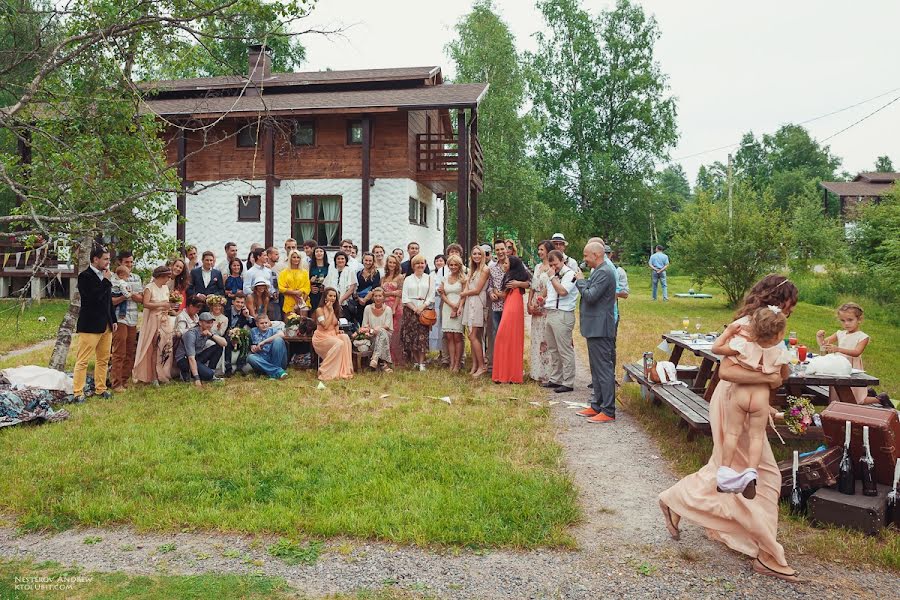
748, 526
153, 356
332, 346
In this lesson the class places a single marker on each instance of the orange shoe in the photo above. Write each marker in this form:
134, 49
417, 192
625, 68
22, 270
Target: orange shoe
601, 418
588, 412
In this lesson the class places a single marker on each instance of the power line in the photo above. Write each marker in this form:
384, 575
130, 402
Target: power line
854, 124
834, 112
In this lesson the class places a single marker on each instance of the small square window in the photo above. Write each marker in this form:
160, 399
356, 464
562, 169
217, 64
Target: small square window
249, 208
247, 135
354, 132
305, 133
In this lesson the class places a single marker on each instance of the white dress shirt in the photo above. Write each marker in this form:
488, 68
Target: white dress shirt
418, 291
565, 303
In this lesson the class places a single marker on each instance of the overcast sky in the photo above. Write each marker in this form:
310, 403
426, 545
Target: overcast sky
733, 66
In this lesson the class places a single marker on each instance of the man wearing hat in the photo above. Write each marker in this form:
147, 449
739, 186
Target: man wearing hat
195, 356
559, 242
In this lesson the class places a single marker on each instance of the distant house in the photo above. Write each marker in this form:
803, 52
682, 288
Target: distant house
865, 187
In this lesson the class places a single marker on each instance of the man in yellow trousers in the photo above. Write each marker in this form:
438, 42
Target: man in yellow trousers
96, 324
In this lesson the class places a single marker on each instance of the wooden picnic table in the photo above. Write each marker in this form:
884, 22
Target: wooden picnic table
795, 384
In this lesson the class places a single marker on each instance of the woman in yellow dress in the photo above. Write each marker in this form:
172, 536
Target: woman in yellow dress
293, 283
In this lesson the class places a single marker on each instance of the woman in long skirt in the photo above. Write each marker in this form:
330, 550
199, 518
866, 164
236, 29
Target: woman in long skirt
509, 343
332, 346
539, 359
748, 526
154, 353
418, 294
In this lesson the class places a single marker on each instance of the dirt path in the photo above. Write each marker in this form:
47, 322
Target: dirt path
28, 349
625, 551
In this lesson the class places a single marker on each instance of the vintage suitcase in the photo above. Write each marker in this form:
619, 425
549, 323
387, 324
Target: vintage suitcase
816, 471
863, 513
884, 434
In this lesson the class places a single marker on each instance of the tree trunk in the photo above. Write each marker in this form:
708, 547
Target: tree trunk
67, 326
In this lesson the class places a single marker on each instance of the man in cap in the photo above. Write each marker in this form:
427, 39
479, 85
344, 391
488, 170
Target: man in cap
559, 242
195, 356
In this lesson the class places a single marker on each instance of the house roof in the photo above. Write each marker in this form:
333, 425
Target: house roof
463, 95
857, 188
875, 177
293, 79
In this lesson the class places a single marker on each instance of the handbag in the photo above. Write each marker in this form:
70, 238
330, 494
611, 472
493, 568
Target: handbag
428, 317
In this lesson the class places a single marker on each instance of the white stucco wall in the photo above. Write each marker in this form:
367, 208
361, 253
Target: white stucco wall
212, 214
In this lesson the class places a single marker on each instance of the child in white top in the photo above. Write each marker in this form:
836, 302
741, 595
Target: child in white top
758, 347
850, 343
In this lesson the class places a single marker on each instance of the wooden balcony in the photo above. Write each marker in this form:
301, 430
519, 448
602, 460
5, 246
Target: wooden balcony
437, 162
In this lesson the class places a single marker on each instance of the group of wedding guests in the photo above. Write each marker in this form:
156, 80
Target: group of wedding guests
194, 311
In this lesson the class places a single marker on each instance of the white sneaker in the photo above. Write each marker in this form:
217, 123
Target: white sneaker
421, 366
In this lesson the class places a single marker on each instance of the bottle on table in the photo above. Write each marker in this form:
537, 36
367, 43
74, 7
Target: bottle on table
867, 467
846, 481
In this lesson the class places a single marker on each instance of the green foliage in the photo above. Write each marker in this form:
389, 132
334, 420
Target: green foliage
875, 242
883, 164
293, 553
603, 111
732, 253
651, 213
484, 51
814, 237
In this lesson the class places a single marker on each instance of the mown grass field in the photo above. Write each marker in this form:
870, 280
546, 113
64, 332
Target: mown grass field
643, 321
254, 455
20, 325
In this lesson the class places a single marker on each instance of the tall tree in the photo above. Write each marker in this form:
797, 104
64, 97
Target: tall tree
604, 114
484, 51
883, 164
97, 167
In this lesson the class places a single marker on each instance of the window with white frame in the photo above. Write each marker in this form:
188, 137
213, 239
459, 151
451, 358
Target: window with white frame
418, 212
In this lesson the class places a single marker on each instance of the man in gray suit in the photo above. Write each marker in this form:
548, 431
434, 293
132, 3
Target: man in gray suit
598, 327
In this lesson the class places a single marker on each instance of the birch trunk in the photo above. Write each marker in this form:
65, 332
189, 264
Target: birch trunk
70, 319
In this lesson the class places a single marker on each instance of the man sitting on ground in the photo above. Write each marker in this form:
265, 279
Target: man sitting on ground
195, 356
268, 351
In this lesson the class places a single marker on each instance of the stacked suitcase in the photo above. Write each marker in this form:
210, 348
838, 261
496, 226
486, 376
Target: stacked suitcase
820, 470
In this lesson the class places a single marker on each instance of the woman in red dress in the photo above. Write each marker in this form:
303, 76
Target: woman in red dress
509, 344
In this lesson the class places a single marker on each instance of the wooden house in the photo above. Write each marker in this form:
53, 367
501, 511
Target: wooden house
368, 155
865, 188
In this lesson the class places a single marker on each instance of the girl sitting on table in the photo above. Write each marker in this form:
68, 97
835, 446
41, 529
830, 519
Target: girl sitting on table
850, 343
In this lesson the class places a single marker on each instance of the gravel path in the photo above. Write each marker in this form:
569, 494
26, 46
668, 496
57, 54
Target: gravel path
28, 349
625, 550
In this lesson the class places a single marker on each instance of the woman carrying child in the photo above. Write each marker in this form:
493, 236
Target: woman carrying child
748, 526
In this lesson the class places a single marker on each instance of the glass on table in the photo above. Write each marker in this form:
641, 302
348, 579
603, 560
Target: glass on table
698, 325
792, 338
685, 323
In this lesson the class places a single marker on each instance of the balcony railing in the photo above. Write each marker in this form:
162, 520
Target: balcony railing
437, 155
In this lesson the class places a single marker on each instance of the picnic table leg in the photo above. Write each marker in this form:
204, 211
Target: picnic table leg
703, 374
845, 394
713, 382
676, 355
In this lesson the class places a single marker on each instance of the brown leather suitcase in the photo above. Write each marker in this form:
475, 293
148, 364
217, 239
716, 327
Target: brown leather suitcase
863, 513
815, 471
884, 434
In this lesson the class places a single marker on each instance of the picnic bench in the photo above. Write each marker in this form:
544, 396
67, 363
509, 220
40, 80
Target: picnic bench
296, 344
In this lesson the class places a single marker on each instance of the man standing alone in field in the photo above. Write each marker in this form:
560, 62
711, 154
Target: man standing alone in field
659, 262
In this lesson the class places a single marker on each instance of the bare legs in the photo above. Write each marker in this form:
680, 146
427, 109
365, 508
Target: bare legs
750, 412
455, 347
475, 341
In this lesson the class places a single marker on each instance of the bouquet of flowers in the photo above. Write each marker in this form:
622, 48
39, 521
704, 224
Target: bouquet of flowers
175, 297
240, 340
293, 320
362, 339
214, 300
799, 415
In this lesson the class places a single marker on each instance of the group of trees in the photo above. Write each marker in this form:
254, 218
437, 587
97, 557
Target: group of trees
67, 73
572, 132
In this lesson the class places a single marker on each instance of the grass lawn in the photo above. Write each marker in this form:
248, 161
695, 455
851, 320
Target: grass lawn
78, 585
255, 455
643, 321
19, 324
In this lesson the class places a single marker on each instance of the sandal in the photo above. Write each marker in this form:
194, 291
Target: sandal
670, 524
762, 569
373, 363
387, 369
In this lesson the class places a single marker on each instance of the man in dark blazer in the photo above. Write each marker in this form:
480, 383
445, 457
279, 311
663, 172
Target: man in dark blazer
96, 323
598, 327
205, 279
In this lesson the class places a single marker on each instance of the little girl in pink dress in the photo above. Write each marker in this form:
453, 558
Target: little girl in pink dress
758, 347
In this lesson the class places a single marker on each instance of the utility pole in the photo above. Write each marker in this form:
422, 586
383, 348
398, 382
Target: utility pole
730, 202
